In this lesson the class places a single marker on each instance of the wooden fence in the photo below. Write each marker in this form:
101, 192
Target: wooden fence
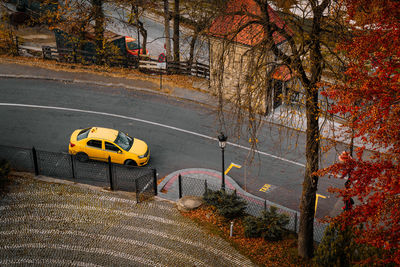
148, 65
87, 58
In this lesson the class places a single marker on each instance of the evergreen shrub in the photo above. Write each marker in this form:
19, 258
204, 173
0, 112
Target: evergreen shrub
230, 206
270, 225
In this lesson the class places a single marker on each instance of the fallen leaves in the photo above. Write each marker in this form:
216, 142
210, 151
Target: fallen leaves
261, 252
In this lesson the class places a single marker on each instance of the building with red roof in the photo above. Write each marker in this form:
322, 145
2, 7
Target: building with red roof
233, 36
227, 25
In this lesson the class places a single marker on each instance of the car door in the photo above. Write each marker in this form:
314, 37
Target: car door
116, 154
94, 149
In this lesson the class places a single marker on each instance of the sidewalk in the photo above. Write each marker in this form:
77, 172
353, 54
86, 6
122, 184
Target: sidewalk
130, 81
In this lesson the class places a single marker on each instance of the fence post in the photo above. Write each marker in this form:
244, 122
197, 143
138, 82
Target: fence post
155, 181
265, 205
72, 166
110, 173
295, 222
74, 54
137, 191
35, 161
126, 61
180, 185
160, 80
205, 186
16, 46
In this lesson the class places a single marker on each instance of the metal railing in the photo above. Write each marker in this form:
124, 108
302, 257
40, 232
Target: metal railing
142, 181
255, 205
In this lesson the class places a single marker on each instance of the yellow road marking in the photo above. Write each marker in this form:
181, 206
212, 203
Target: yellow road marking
232, 165
265, 188
316, 202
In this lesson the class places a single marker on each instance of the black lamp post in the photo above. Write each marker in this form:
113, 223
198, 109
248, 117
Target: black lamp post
222, 142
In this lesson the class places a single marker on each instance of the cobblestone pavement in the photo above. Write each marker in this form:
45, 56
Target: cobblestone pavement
57, 224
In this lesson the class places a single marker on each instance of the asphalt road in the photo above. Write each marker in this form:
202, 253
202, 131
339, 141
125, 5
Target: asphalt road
180, 134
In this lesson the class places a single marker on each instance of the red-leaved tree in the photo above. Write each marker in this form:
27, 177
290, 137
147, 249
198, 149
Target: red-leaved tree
370, 97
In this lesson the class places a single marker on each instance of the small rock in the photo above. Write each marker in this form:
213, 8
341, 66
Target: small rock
188, 203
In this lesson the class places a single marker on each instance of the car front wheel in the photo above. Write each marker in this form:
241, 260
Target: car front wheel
82, 157
130, 162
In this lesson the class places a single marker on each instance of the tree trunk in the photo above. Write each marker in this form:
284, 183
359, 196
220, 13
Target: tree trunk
176, 31
99, 29
166, 29
192, 45
307, 203
143, 32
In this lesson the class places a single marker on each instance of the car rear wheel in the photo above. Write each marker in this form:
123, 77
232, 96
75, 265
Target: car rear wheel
82, 157
130, 162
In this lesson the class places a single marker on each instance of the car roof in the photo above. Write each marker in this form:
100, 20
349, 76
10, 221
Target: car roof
103, 133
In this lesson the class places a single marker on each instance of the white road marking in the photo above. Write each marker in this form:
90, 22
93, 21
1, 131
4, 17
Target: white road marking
148, 122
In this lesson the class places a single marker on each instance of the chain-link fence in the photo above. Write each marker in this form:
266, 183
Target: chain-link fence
189, 186
142, 181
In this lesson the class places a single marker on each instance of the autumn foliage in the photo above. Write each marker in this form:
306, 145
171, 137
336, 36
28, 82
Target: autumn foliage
370, 97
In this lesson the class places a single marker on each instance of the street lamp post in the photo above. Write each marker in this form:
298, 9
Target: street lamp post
222, 142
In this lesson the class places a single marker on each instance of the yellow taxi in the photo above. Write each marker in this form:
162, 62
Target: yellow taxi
99, 143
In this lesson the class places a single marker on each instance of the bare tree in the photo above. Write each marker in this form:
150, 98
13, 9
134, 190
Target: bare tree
176, 31
98, 15
166, 29
198, 17
137, 9
255, 42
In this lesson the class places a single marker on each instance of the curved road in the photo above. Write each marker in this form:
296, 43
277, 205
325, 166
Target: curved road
180, 134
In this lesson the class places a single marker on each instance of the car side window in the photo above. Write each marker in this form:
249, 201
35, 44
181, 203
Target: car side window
111, 147
94, 143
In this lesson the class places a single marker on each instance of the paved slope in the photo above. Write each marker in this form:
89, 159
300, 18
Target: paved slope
56, 224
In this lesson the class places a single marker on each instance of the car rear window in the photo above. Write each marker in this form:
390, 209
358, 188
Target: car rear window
83, 134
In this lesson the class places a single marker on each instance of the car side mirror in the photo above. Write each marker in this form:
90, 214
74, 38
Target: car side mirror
119, 152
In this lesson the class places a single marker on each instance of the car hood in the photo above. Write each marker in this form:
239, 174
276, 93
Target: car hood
139, 147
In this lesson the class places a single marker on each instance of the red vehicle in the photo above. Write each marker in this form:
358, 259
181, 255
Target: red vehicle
132, 47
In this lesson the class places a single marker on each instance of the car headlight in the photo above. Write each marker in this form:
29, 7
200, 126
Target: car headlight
144, 155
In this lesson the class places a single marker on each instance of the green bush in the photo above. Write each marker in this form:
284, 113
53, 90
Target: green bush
338, 248
230, 206
252, 226
270, 225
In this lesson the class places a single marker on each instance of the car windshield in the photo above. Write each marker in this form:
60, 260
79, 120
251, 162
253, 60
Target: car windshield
132, 45
124, 141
